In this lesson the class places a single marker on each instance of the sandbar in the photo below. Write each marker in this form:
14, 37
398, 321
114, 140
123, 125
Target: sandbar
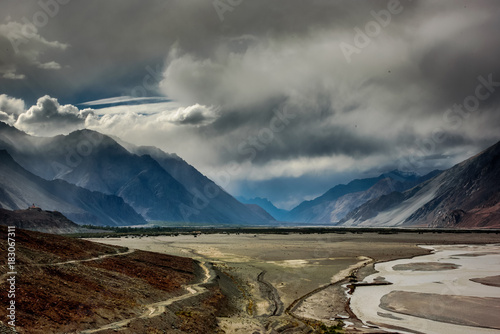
459, 310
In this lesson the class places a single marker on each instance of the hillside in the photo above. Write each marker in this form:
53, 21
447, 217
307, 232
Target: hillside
220, 206
464, 196
261, 212
36, 219
70, 285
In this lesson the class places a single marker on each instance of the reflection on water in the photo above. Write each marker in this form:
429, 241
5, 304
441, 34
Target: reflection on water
448, 271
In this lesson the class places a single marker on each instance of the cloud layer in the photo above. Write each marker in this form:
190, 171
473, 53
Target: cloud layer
283, 89
23, 49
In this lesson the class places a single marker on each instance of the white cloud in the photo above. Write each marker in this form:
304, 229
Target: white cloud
10, 73
52, 65
124, 99
140, 109
4, 117
192, 115
11, 106
48, 118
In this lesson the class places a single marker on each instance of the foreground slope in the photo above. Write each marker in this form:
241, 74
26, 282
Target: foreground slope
69, 285
19, 189
464, 196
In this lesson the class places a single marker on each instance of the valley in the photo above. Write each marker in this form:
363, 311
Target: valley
249, 167
293, 283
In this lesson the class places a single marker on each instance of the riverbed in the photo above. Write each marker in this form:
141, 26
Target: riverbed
453, 290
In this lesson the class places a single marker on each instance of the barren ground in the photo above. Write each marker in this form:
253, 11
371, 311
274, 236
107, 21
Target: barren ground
66, 285
298, 271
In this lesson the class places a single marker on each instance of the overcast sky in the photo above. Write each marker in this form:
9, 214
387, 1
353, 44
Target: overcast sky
286, 97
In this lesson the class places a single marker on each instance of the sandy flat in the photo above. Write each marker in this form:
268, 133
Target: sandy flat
474, 254
460, 310
426, 266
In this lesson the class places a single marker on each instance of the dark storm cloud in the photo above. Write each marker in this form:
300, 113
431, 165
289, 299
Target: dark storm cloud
391, 95
23, 49
113, 42
285, 134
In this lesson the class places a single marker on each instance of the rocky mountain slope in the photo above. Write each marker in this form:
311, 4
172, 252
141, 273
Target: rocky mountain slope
223, 207
261, 212
20, 189
464, 196
337, 202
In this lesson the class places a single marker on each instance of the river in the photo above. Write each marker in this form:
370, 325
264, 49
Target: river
436, 286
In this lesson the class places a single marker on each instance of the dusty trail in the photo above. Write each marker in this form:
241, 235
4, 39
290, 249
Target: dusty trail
100, 257
158, 308
153, 310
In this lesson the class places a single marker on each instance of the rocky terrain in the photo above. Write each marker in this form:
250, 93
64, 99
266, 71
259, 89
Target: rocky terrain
296, 282
340, 200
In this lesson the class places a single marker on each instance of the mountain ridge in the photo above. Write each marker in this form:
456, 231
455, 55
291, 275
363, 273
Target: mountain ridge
466, 195
339, 200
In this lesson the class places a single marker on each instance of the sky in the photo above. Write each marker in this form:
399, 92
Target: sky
273, 98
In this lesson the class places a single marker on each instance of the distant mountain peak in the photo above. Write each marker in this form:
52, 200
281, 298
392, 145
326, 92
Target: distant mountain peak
267, 205
403, 173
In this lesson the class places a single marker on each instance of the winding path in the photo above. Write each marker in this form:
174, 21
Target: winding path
156, 309
100, 257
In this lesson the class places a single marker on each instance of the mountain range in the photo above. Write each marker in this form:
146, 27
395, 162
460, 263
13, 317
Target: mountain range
337, 202
87, 165
465, 196
95, 179
20, 189
267, 205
